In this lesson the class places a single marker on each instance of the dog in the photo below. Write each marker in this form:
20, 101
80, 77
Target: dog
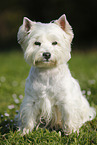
51, 93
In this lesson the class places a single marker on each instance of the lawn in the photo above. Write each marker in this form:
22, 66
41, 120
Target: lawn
13, 73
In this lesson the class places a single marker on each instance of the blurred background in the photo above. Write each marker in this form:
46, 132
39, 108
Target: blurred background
81, 14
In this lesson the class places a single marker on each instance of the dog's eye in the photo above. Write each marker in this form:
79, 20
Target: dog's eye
54, 43
37, 43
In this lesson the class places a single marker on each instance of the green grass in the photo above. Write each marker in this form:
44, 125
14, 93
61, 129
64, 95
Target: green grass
13, 73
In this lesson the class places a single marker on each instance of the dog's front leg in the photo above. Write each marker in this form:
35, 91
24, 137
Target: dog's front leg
70, 122
27, 115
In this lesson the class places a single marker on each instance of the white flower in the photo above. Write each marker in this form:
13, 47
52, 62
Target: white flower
89, 93
21, 96
3, 79
6, 114
59, 133
84, 96
16, 101
83, 92
14, 96
11, 106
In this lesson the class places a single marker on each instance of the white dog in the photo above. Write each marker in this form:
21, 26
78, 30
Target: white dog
51, 93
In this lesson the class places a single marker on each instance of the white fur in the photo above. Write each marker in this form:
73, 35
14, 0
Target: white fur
51, 92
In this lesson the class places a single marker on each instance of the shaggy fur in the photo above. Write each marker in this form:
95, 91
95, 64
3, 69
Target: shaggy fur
51, 93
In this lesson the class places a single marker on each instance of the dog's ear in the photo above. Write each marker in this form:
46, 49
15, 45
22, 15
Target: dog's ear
24, 30
27, 24
63, 23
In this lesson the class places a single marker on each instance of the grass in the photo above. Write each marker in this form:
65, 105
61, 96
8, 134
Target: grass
14, 71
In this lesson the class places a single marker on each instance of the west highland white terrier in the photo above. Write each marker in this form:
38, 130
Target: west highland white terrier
51, 93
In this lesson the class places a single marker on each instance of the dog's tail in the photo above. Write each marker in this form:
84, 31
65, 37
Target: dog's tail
92, 113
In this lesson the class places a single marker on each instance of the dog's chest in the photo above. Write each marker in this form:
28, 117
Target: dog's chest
44, 84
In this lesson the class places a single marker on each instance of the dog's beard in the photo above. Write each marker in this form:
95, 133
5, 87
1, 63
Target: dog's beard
45, 63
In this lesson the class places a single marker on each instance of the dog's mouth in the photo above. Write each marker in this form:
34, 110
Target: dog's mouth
45, 63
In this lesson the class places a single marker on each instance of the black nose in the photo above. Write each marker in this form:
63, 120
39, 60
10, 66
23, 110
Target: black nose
46, 55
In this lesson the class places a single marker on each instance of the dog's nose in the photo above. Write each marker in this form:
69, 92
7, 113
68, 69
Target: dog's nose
46, 55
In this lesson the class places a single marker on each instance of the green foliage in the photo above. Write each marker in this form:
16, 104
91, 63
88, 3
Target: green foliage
14, 71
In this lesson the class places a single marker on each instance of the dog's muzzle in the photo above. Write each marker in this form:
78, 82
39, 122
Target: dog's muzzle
45, 61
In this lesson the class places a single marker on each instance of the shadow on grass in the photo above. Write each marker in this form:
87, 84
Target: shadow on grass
6, 125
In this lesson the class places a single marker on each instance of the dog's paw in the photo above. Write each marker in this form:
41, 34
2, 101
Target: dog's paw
23, 131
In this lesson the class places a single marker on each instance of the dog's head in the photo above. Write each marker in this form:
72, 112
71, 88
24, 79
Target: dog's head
46, 45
